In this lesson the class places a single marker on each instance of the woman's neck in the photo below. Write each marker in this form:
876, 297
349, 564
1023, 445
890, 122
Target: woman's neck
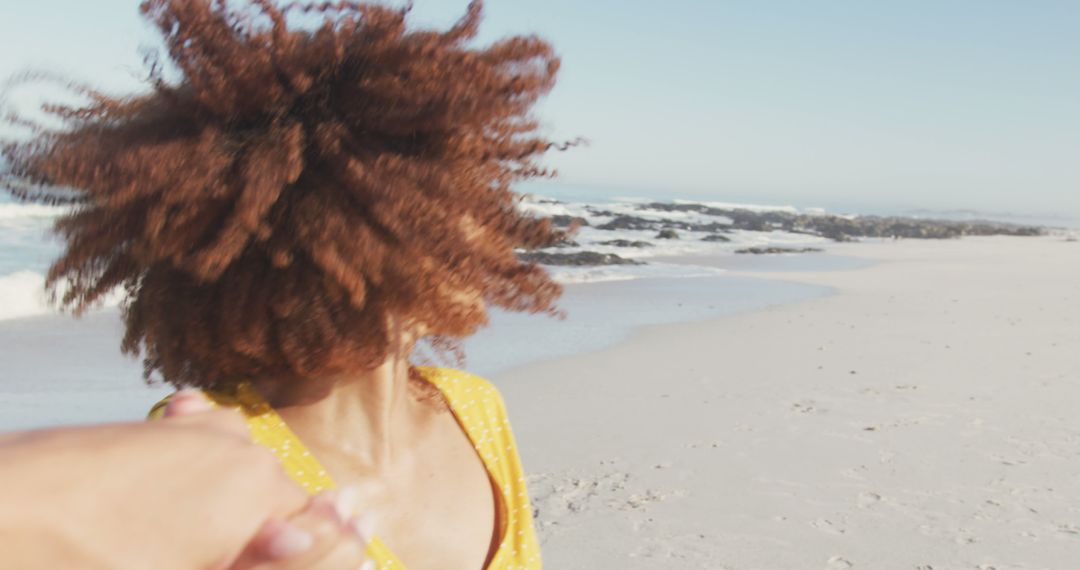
363, 416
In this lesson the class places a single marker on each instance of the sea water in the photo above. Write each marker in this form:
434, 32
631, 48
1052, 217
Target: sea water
58, 370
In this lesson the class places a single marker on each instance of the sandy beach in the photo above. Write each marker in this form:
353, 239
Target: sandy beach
922, 417
888, 405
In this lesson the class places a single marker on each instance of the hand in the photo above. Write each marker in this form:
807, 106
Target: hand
325, 535
322, 537
190, 491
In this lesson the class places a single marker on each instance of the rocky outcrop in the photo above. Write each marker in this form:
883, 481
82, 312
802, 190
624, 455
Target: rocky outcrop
626, 243
563, 221
837, 228
775, 250
629, 223
626, 222
667, 233
577, 258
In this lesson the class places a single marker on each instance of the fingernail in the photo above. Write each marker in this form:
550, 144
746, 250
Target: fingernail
186, 402
288, 541
369, 565
345, 502
363, 526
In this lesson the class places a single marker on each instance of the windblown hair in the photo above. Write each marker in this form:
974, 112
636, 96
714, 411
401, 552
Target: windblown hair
295, 186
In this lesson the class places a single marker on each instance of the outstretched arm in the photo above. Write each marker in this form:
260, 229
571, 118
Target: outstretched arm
188, 492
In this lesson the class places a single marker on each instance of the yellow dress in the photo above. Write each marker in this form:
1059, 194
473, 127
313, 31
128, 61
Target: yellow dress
478, 408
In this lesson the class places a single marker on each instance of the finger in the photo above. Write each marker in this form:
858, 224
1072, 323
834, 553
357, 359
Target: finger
336, 544
347, 552
363, 526
187, 402
280, 540
285, 540
276, 540
345, 505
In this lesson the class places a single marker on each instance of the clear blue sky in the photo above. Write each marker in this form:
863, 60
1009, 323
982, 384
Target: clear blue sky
849, 103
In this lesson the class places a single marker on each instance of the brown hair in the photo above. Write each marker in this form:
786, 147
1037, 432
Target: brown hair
267, 211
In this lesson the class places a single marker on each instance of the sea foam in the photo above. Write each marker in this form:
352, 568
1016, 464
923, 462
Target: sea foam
22, 294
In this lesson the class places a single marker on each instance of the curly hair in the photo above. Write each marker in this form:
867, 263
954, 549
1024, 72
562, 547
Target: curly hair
267, 211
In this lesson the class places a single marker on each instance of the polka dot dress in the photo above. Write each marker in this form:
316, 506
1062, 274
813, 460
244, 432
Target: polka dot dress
479, 410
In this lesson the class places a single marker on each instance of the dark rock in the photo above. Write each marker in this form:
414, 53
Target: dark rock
624, 222
626, 243
716, 237
840, 228
667, 233
700, 208
562, 221
630, 223
577, 258
710, 227
772, 250
599, 212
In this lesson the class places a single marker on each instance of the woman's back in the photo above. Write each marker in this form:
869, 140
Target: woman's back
477, 408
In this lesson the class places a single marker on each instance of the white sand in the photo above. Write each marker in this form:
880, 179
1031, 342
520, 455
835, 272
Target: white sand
747, 442
924, 417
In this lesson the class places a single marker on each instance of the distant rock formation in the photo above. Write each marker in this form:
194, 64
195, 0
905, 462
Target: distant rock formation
577, 258
667, 233
837, 228
562, 221
626, 243
625, 222
774, 250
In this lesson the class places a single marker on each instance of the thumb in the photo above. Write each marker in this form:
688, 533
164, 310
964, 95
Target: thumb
191, 407
186, 402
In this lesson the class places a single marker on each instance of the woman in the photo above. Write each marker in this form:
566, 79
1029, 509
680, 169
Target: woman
291, 216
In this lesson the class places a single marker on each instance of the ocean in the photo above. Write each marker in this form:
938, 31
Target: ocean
57, 370
27, 248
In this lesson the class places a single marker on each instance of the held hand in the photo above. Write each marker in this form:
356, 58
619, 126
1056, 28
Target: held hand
325, 535
190, 491
186, 492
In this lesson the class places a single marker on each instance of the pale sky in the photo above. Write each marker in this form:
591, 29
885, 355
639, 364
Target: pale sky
840, 103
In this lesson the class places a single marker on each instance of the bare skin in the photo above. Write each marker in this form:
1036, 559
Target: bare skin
416, 470
107, 497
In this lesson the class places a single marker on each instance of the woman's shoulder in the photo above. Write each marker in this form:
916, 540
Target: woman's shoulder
464, 389
457, 380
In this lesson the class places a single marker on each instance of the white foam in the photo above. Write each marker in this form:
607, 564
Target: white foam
22, 294
11, 211
592, 274
544, 210
23, 234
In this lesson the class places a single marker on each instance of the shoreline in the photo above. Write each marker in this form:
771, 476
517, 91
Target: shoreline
920, 417
917, 412
93, 382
